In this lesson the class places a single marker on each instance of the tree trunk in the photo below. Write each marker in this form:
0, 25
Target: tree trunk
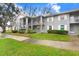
4, 29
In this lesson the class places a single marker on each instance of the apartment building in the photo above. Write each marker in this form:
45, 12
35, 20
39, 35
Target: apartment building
63, 21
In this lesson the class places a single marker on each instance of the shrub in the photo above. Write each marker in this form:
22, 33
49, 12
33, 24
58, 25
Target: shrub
22, 30
14, 31
58, 31
31, 31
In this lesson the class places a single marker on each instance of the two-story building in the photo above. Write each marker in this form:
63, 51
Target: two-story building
63, 21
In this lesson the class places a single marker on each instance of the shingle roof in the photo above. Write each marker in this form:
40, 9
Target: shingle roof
70, 11
50, 15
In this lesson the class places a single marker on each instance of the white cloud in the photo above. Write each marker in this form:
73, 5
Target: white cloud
20, 7
55, 7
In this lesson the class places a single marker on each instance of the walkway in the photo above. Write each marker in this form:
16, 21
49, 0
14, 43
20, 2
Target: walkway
57, 44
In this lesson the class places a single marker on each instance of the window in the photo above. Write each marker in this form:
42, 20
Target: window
47, 19
62, 17
66, 17
49, 27
50, 19
62, 27
56, 17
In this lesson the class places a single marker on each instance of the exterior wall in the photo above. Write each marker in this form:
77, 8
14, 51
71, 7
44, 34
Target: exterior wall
44, 26
74, 23
26, 23
34, 23
74, 28
55, 22
37, 24
41, 24
19, 23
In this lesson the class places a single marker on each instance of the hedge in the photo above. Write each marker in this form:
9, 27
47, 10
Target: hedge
30, 31
58, 31
22, 30
14, 31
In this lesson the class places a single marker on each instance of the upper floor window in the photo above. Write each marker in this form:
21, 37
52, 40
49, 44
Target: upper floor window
55, 17
50, 19
62, 17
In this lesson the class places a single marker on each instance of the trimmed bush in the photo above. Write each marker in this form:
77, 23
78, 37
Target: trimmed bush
30, 31
14, 31
58, 31
22, 30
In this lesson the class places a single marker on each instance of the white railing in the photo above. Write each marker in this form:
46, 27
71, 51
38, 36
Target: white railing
74, 20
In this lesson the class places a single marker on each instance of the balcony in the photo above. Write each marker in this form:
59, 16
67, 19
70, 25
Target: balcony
74, 20
23, 26
29, 24
38, 23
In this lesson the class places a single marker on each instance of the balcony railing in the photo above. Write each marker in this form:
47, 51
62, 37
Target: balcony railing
74, 20
23, 26
38, 23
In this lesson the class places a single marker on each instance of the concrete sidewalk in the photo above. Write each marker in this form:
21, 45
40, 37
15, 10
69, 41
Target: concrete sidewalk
19, 38
57, 44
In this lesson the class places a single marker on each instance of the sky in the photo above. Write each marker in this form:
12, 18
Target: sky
56, 7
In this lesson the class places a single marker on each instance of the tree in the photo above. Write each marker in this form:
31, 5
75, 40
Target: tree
35, 11
7, 11
45, 10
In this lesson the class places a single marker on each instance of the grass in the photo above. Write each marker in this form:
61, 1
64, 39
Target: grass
10, 47
44, 36
56, 37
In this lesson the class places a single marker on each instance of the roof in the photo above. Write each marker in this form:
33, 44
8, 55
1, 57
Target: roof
67, 12
48, 15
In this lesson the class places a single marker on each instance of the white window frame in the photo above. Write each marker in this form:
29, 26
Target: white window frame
65, 17
66, 27
59, 18
52, 27
52, 19
47, 27
47, 19
59, 27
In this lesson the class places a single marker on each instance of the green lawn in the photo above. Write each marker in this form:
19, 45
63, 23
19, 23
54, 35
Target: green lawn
56, 37
10, 47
